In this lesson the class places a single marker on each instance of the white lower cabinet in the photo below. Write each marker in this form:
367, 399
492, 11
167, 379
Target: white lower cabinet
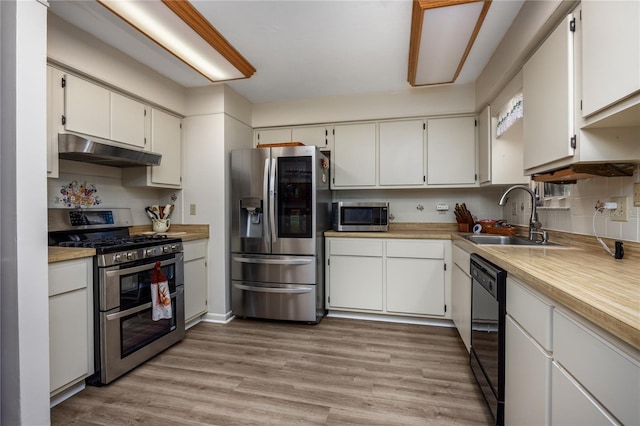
195, 279
527, 357
70, 323
602, 370
527, 378
386, 276
572, 404
461, 294
354, 274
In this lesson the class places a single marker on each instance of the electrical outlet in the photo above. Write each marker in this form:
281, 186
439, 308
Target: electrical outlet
621, 213
192, 209
513, 208
636, 194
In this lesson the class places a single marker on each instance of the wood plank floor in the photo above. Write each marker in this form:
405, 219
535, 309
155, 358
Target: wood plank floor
249, 372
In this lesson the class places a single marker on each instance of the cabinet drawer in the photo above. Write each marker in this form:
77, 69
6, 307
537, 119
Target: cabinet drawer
610, 375
531, 312
69, 276
415, 249
194, 250
355, 247
462, 258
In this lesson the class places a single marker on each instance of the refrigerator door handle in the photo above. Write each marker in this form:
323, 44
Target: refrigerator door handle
289, 290
272, 201
263, 261
265, 193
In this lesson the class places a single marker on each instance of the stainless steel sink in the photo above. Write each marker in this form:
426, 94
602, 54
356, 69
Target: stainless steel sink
508, 240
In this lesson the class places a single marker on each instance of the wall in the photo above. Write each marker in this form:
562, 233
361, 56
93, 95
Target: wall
24, 368
404, 203
216, 123
107, 191
579, 217
416, 102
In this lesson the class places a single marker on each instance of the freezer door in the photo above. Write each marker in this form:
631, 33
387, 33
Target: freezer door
291, 302
274, 269
250, 225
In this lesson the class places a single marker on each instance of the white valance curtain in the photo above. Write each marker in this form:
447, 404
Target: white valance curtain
511, 113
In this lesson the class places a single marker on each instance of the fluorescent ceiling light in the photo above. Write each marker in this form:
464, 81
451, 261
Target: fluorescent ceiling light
442, 34
180, 29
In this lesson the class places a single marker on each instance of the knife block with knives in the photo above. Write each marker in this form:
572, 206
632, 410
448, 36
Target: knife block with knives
464, 218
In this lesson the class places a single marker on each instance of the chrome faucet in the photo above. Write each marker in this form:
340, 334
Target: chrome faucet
534, 223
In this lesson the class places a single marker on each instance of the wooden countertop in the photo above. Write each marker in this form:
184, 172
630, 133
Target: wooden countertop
184, 232
580, 276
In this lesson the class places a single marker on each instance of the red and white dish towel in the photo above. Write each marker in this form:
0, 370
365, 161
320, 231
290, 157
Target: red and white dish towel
160, 295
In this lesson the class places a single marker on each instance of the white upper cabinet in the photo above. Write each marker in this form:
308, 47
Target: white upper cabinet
355, 155
55, 111
272, 136
451, 151
548, 99
128, 120
93, 110
610, 53
402, 148
87, 107
166, 139
320, 136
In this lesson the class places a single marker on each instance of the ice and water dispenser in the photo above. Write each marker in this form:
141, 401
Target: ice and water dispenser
251, 217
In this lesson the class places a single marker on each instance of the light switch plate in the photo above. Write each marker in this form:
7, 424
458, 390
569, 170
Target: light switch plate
192, 209
636, 194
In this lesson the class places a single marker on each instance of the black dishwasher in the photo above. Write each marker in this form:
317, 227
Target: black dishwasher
488, 309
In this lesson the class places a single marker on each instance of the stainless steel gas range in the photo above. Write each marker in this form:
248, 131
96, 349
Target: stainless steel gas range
125, 334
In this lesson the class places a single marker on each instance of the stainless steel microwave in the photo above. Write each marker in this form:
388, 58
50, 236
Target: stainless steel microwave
360, 216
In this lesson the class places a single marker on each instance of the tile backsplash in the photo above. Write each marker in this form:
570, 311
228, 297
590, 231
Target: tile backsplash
81, 191
578, 217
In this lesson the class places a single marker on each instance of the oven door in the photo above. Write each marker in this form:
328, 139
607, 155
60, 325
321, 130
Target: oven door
128, 334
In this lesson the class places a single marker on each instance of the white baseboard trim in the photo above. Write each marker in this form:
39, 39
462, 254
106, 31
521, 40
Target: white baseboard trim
66, 394
217, 318
391, 318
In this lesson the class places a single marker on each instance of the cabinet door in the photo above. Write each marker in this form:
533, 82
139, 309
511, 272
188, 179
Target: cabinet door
451, 151
484, 145
571, 405
166, 139
415, 286
68, 341
610, 52
195, 288
402, 153
273, 136
318, 136
86, 107
354, 157
527, 379
127, 120
355, 282
548, 99
461, 304
55, 111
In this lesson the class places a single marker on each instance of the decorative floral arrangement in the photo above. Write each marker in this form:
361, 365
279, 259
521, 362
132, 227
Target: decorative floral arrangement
77, 195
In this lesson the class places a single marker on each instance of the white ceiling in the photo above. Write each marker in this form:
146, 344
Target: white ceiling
301, 49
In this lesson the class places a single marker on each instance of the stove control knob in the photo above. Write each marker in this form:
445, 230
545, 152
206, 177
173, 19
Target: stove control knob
131, 255
174, 247
166, 249
117, 258
150, 252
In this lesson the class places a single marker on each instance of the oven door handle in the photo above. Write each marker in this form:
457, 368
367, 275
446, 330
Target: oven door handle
289, 290
273, 261
141, 268
137, 309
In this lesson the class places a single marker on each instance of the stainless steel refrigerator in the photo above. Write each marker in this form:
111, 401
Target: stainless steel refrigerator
280, 208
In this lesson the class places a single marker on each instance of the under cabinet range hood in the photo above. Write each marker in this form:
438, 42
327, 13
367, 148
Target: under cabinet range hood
88, 149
